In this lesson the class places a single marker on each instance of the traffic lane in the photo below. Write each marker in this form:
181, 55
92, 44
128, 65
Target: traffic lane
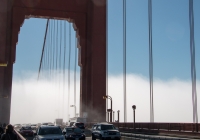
31, 138
140, 137
147, 137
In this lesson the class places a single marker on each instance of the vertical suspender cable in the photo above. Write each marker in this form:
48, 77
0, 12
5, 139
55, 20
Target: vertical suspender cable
193, 67
75, 74
43, 48
57, 46
69, 65
54, 48
51, 48
64, 65
124, 58
150, 60
107, 56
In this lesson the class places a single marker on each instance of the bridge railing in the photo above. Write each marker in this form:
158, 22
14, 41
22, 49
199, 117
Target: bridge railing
186, 127
20, 137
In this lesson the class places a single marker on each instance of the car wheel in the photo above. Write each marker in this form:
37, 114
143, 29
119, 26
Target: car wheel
93, 137
100, 137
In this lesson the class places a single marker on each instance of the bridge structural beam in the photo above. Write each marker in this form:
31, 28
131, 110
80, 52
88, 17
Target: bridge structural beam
93, 70
6, 65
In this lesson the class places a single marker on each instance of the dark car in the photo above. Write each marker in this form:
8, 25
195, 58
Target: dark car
79, 125
26, 131
105, 131
45, 132
72, 133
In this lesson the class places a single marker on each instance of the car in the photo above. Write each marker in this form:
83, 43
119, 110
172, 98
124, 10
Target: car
34, 126
45, 132
79, 125
17, 126
72, 133
50, 124
104, 131
26, 131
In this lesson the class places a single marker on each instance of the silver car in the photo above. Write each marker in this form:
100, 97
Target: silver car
49, 132
104, 131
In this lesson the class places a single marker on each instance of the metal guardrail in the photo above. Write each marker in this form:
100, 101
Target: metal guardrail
187, 127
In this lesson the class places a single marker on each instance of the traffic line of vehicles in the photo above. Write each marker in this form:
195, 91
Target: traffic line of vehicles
74, 131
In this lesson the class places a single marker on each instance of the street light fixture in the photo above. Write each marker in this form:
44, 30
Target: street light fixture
3, 64
74, 109
109, 110
134, 108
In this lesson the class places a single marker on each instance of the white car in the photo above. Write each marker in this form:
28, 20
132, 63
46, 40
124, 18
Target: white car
49, 132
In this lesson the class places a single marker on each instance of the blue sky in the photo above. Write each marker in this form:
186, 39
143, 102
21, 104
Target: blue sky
171, 56
171, 50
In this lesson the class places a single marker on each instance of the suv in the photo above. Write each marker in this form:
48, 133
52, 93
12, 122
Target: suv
105, 131
49, 132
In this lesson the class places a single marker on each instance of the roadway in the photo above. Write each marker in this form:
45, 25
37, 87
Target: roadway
140, 137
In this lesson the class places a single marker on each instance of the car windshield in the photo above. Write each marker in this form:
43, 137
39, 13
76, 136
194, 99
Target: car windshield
79, 124
26, 128
47, 131
106, 127
77, 130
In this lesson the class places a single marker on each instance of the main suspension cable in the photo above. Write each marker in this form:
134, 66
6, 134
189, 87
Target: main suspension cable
41, 59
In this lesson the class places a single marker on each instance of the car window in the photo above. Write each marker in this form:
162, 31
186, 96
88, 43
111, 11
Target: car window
79, 124
106, 127
94, 127
99, 127
26, 128
47, 131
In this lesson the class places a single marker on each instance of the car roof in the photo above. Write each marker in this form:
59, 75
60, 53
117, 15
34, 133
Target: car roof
103, 123
69, 127
48, 126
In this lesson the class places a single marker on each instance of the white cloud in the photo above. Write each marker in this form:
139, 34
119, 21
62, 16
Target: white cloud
42, 101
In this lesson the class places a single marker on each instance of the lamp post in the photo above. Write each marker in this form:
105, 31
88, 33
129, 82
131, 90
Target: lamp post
107, 116
74, 109
118, 115
113, 116
109, 110
134, 108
